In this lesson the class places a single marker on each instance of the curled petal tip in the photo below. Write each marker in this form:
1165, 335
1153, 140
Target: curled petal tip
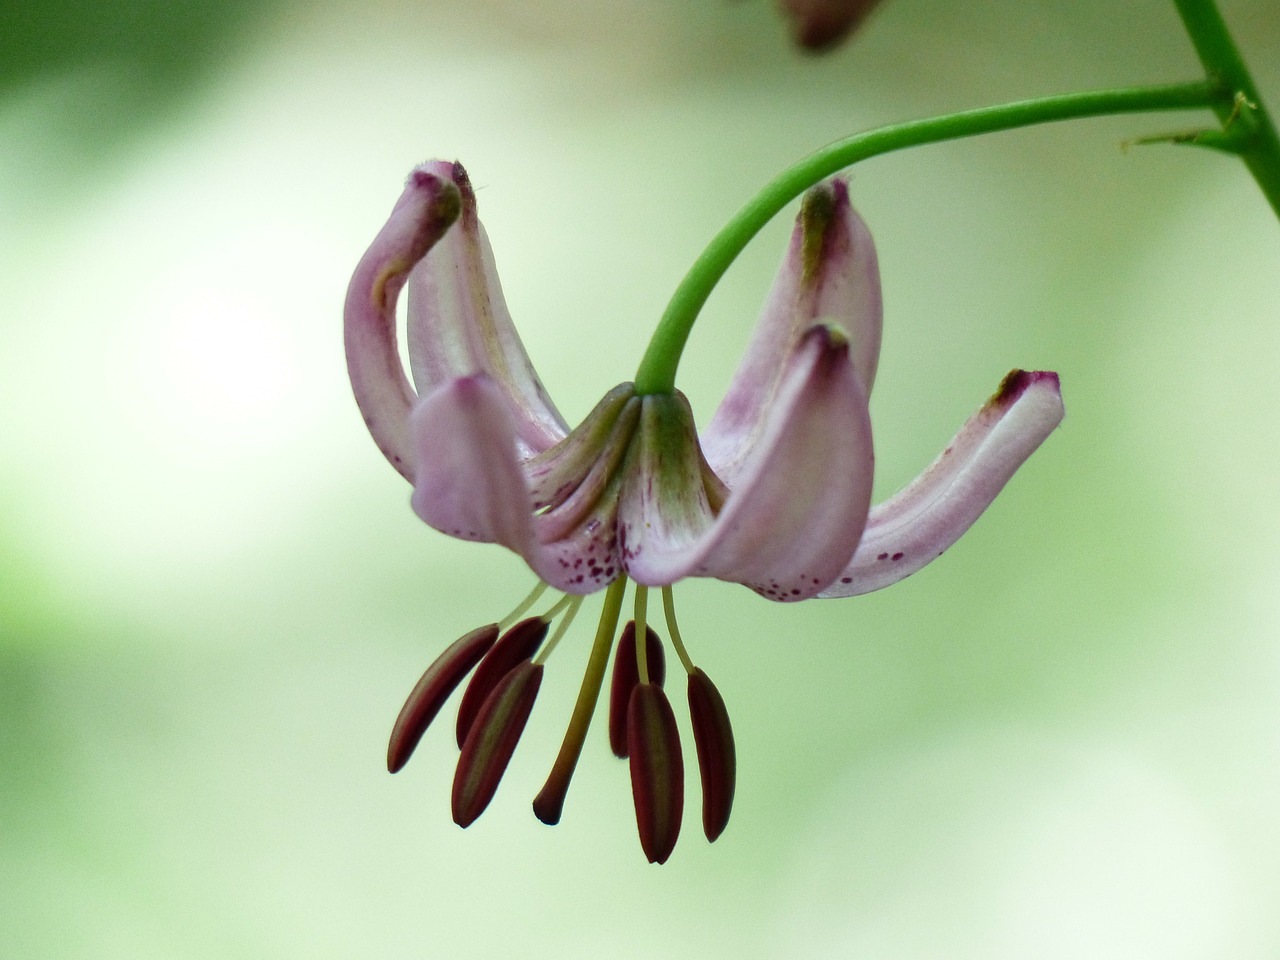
430, 206
425, 211
1018, 382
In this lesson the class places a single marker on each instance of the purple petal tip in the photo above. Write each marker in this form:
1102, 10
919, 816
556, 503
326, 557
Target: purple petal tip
1018, 382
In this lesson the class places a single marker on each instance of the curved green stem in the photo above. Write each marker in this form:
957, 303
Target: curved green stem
657, 370
1223, 63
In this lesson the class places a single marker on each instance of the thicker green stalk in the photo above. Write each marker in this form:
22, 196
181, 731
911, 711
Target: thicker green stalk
1224, 65
657, 371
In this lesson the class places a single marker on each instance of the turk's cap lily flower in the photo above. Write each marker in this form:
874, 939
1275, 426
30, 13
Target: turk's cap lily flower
775, 492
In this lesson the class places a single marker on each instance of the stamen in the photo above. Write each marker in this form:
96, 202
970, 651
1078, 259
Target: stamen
669, 607
642, 632
657, 770
516, 645
524, 605
571, 605
626, 677
549, 803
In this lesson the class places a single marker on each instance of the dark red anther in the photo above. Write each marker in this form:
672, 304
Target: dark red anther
717, 759
521, 642
657, 770
492, 740
430, 692
626, 674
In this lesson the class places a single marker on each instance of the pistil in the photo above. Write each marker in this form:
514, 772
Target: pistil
549, 803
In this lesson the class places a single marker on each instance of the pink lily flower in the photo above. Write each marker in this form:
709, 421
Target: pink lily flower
774, 494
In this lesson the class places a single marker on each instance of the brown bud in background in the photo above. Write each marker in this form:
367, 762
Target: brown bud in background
626, 675
521, 642
430, 693
820, 25
657, 770
717, 758
492, 740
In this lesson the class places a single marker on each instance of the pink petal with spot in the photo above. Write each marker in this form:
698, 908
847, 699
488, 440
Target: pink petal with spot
914, 527
795, 516
471, 485
830, 274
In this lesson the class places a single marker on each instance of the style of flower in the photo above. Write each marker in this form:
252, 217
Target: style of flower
775, 494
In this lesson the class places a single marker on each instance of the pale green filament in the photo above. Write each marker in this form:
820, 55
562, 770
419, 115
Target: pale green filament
642, 632
669, 608
523, 606
571, 605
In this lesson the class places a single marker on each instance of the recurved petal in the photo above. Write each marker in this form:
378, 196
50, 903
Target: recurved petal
794, 518
470, 484
830, 273
918, 523
459, 324
422, 215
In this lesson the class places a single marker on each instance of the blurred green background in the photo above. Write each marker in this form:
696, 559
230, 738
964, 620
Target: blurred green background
1060, 740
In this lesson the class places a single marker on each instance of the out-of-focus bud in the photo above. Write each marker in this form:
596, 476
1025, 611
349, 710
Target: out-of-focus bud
820, 25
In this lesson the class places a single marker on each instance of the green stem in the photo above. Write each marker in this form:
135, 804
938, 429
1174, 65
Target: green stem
657, 371
1224, 65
